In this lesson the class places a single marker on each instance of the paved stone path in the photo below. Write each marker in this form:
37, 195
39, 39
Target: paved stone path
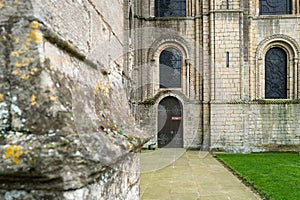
174, 174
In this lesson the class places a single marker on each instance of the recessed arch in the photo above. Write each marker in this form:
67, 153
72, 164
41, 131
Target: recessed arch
171, 39
182, 47
291, 48
170, 68
286, 42
170, 123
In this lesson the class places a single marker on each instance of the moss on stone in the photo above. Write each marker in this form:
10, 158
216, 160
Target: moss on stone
153, 100
278, 101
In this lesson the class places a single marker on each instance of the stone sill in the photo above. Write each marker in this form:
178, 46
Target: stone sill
270, 17
183, 18
227, 11
259, 101
152, 18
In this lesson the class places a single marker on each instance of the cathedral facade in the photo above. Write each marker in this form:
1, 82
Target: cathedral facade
217, 74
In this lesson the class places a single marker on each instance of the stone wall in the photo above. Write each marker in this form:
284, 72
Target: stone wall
219, 85
226, 65
121, 181
255, 127
152, 36
242, 120
66, 126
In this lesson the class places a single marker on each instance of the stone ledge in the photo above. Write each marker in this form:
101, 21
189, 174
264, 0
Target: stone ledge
259, 101
52, 162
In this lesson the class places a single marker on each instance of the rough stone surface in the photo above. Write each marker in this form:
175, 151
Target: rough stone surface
120, 181
66, 126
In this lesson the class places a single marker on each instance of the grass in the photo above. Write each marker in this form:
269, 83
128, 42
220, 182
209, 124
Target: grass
274, 175
147, 150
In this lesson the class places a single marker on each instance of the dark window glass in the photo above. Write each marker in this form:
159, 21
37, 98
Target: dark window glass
170, 8
276, 74
170, 68
130, 22
275, 7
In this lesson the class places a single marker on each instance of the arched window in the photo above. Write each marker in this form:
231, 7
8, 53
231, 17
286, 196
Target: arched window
170, 68
170, 8
276, 74
275, 7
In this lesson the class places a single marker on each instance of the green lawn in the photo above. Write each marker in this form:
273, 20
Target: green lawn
275, 175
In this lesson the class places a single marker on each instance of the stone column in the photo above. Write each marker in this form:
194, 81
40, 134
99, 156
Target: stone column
259, 80
206, 77
297, 77
187, 62
152, 66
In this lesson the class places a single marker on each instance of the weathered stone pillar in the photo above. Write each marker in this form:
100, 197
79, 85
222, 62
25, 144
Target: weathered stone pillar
188, 64
297, 77
259, 80
66, 131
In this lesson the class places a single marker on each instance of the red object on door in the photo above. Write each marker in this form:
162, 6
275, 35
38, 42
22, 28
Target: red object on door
176, 118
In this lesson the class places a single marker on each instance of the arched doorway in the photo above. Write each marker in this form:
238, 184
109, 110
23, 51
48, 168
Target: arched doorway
276, 74
170, 123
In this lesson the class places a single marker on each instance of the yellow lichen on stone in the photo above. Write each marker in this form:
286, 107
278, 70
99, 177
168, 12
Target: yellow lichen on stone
25, 77
37, 37
106, 91
15, 72
13, 153
34, 25
103, 89
69, 44
15, 54
1, 97
28, 40
24, 62
3, 63
33, 100
98, 87
18, 64
129, 145
52, 98
17, 40
27, 60
1, 4
24, 49
34, 70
